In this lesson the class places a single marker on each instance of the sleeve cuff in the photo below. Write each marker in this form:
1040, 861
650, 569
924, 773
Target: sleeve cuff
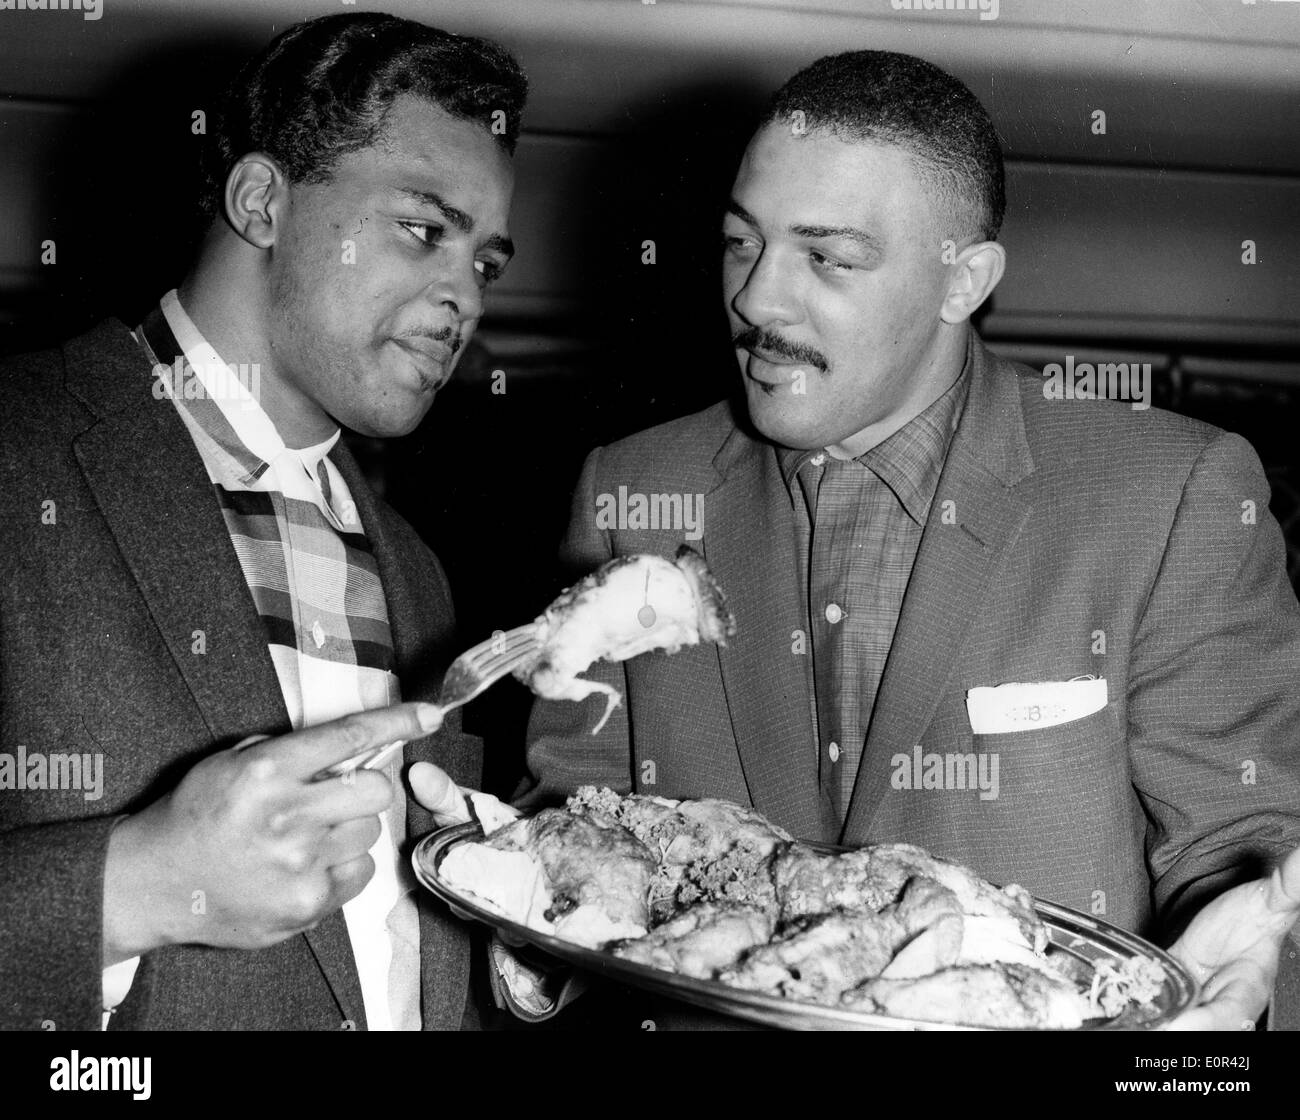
530, 990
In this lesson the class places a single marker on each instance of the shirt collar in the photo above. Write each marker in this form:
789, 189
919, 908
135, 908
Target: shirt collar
909, 461
227, 410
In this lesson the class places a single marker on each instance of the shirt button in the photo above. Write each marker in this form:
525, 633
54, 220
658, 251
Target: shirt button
818, 459
318, 633
834, 751
834, 613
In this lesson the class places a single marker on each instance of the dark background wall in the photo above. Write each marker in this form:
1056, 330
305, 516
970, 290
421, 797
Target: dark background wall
1125, 246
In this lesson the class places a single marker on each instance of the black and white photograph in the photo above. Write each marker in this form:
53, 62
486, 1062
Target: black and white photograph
575, 519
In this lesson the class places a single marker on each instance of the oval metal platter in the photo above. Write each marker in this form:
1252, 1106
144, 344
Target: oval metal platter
1081, 939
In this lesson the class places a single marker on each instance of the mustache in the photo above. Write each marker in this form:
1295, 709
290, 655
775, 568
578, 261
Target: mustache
759, 338
448, 335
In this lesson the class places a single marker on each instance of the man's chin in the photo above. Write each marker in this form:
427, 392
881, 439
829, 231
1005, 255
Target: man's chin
781, 423
386, 425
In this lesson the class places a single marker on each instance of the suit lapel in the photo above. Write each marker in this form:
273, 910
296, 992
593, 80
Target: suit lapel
958, 556
332, 947
749, 545
150, 485
149, 482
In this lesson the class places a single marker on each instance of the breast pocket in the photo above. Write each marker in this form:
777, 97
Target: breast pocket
1061, 818
1061, 776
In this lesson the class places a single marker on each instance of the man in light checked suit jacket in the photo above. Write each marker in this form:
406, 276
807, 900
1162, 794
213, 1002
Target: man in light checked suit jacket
1052, 539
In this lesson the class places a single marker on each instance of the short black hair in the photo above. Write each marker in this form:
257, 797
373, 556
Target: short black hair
323, 88
900, 99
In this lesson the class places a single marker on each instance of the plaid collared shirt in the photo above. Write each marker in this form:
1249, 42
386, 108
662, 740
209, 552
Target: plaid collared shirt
858, 525
313, 577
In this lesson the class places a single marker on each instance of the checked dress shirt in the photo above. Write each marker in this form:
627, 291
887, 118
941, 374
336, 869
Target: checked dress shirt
858, 525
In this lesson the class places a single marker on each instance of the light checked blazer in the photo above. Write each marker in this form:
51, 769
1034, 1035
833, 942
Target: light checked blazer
1068, 520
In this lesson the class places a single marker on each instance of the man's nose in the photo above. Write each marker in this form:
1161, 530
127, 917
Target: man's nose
457, 289
766, 294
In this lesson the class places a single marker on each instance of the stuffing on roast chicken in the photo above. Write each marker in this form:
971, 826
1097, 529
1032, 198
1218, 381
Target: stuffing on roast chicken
709, 850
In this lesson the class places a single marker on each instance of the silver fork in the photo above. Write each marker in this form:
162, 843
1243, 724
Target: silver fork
473, 671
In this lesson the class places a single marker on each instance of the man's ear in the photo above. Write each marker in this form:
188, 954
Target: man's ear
256, 191
972, 278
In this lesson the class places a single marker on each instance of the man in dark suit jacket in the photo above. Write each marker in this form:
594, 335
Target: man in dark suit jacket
1120, 560
355, 226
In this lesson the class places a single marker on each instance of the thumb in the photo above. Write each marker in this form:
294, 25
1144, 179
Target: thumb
1283, 892
434, 789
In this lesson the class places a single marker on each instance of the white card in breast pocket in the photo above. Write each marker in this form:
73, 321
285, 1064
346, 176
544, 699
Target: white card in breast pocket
1026, 706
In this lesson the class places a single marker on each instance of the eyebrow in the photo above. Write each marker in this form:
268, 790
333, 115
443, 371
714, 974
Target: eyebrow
852, 233
859, 237
734, 207
457, 218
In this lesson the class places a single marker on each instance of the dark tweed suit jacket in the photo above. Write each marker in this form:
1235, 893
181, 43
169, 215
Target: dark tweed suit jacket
1068, 520
99, 614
